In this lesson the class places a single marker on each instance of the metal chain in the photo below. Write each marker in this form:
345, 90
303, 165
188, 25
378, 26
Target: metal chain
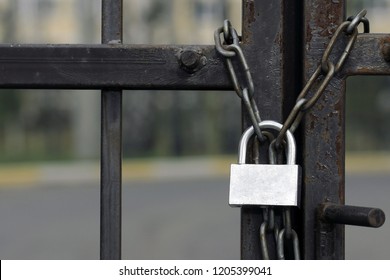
230, 48
324, 73
280, 244
269, 226
287, 233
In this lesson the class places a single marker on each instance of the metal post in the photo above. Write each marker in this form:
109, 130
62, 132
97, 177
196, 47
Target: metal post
271, 42
111, 144
323, 135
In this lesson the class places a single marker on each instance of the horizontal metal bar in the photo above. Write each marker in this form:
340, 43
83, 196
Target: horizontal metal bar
367, 56
109, 66
147, 66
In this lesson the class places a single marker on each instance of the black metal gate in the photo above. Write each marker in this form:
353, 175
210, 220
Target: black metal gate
283, 41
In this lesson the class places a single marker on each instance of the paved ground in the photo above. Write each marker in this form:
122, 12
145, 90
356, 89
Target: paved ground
167, 218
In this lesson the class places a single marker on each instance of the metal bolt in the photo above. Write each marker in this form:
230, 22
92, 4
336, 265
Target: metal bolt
191, 60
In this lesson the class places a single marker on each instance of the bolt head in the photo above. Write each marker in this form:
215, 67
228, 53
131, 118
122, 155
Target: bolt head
190, 59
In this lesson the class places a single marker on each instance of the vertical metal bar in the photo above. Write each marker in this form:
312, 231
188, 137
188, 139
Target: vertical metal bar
323, 135
111, 144
271, 38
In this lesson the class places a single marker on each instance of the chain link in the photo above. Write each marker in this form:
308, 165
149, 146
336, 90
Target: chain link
286, 234
280, 244
269, 226
230, 48
356, 20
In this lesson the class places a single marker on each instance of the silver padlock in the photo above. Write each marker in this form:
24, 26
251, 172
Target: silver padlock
265, 184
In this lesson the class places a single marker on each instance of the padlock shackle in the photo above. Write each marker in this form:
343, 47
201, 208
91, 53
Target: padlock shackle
248, 133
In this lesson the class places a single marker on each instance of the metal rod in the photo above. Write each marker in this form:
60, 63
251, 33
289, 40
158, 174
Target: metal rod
352, 215
108, 66
111, 145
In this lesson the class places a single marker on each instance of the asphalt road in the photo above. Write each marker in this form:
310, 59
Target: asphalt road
172, 219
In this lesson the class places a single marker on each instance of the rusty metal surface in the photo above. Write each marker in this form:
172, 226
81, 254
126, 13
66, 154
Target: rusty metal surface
167, 67
272, 48
260, 22
323, 137
370, 56
110, 66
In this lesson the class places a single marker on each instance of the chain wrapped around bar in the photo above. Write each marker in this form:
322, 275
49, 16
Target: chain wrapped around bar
230, 48
325, 71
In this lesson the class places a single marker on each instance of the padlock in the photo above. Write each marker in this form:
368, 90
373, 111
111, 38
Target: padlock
265, 184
